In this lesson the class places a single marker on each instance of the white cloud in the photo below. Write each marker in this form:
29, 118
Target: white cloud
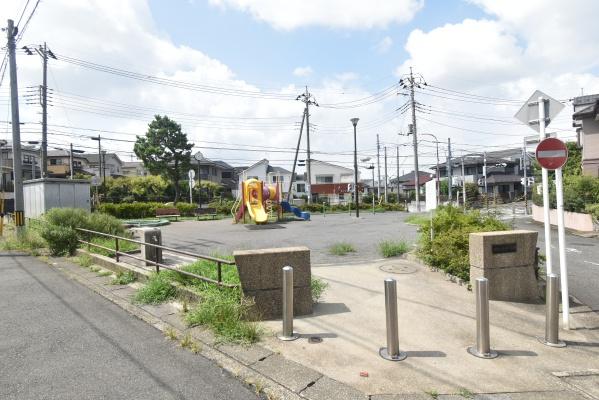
347, 14
384, 45
303, 71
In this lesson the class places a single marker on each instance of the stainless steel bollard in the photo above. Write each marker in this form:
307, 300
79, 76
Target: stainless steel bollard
391, 352
288, 333
552, 313
483, 341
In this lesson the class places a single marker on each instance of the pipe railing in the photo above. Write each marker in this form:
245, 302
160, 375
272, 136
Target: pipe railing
219, 261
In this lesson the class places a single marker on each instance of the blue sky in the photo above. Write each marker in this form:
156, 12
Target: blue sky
261, 54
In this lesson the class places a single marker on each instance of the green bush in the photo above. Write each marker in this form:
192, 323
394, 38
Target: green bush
593, 209
62, 240
105, 223
389, 248
449, 248
130, 210
317, 288
67, 217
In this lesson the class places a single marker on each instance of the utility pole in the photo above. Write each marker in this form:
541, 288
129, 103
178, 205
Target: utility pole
397, 171
99, 140
378, 165
449, 171
485, 174
409, 82
354, 122
104, 167
463, 184
299, 140
386, 176
71, 160
308, 99
44, 55
524, 159
19, 211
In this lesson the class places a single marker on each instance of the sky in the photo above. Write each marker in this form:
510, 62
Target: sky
229, 71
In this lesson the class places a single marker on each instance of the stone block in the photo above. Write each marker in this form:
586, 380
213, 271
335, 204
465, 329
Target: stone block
509, 284
269, 303
261, 277
507, 260
153, 236
482, 245
262, 269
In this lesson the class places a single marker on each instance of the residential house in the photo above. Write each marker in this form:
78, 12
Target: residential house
134, 168
406, 183
218, 172
586, 120
59, 163
30, 164
112, 164
262, 170
332, 183
504, 172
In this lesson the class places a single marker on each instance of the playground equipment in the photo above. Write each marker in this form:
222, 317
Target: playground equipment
261, 201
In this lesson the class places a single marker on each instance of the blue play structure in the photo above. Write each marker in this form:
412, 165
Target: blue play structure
296, 211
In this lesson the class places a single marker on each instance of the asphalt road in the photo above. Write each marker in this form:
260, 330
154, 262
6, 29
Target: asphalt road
582, 256
59, 340
318, 235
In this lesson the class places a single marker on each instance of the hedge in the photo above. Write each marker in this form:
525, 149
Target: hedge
142, 210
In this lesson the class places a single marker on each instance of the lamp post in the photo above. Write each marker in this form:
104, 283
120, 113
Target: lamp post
354, 122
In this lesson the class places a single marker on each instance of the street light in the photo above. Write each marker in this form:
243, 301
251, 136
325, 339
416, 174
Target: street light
354, 122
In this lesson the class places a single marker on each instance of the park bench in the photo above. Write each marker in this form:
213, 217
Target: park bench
168, 213
209, 211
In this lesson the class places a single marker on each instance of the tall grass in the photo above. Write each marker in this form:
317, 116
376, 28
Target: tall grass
341, 248
157, 290
390, 248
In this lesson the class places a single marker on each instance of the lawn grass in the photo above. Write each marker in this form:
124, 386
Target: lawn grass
341, 248
390, 248
124, 246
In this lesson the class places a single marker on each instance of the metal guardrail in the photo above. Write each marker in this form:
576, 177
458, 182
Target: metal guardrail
219, 261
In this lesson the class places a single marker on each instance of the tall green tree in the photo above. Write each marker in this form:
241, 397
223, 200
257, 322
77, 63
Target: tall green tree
165, 151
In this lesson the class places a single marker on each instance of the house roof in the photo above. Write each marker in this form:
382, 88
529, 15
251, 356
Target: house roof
264, 160
509, 156
421, 181
410, 177
93, 158
333, 165
493, 179
279, 170
584, 100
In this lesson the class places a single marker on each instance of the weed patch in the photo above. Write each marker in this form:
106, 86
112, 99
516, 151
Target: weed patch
170, 333
104, 273
225, 311
123, 278
157, 290
29, 240
124, 246
84, 260
418, 219
317, 287
390, 248
341, 249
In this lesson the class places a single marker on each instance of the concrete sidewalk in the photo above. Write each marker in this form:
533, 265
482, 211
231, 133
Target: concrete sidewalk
437, 324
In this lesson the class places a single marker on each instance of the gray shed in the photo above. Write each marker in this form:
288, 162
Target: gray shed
41, 195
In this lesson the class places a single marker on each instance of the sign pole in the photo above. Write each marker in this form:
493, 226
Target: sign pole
545, 175
561, 234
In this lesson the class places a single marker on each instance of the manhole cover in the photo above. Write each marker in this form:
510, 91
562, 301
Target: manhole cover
398, 267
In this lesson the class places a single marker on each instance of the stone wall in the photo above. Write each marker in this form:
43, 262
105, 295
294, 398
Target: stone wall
261, 276
577, 221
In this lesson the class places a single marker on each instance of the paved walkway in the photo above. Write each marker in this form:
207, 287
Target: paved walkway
59, 340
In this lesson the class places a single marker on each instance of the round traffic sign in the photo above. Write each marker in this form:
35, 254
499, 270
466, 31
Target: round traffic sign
552, 153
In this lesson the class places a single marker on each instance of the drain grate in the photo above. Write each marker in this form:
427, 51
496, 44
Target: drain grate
314, 339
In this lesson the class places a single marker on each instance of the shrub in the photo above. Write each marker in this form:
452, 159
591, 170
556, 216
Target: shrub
342, 248
130, 210
156, 290
186, 209
62, 240
593, 209
105, 223
450, 246
67, 217
389, 248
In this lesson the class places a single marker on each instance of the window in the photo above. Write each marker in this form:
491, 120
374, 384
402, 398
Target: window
53, 161
301, 187
274, 178
324, 178
27, 159
226, 175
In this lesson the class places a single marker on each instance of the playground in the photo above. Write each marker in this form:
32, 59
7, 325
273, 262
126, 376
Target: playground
318, 234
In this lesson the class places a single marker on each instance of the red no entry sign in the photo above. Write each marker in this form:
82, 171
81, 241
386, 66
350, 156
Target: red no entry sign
552, 153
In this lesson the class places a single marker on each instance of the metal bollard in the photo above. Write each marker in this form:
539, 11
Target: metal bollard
288, 333
483, 341
391, 352
552, 313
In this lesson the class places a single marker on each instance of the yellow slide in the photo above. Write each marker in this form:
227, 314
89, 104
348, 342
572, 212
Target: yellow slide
253, 200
